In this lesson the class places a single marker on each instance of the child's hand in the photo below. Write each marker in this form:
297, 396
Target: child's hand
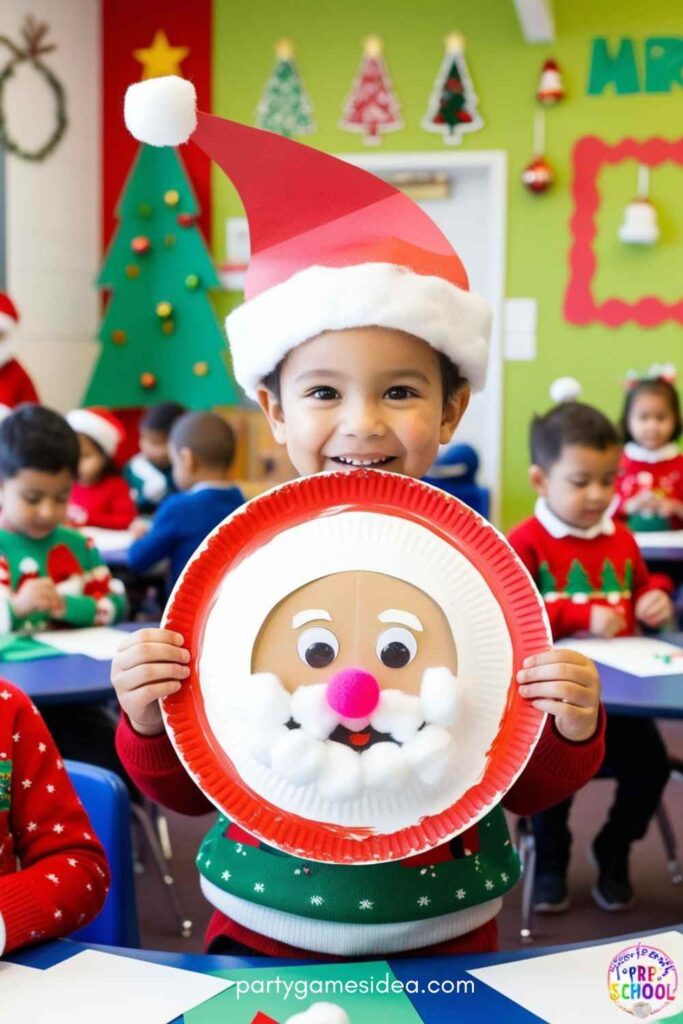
139, 527
39, 595
643, 501
567, 685
669, 507
607, 622
147, 666
654, 609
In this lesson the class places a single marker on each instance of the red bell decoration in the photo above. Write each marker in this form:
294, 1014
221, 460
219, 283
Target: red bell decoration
140, 244
550, 87
538, 176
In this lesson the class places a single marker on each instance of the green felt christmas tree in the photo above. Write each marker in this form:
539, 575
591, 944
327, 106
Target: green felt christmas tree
578, 585
160, 338
285, 107
611, 584
547, 583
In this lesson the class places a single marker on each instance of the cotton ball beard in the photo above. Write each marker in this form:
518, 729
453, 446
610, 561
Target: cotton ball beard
320, 1013
290, 733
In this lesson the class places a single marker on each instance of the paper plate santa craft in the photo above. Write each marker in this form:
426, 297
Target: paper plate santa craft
354, 642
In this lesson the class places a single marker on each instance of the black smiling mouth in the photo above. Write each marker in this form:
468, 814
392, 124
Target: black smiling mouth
362, 739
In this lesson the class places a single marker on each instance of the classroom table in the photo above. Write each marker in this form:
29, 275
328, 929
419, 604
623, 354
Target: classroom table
655, 696
482, 1004
66, 678
661, 546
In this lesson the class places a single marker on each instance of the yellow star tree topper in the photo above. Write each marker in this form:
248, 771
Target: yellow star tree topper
161, 58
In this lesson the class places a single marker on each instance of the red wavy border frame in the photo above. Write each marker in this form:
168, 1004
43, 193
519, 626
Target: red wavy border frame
589, 156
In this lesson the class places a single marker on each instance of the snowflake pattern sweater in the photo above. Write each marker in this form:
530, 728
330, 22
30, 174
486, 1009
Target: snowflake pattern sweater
53, 870
577, 569
656, 472
106, 503
91, 595
444, 901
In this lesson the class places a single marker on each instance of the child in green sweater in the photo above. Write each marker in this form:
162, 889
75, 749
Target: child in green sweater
52, 576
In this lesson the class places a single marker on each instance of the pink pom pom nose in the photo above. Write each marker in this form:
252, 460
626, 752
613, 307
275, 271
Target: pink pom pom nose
353, 693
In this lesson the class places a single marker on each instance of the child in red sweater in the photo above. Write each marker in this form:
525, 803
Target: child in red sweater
100, 497
593, 580
53, 870
650, 480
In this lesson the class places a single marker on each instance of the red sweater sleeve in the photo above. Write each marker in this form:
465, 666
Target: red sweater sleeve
119, 511
25, 387
64, 877
557, 768
154, 767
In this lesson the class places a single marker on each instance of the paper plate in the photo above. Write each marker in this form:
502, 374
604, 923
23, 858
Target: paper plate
355, 552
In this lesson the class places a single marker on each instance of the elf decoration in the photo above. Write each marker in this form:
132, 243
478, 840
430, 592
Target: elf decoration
640, 225
372, 106
550, 87
538, 176
285, 107
160, 339
453, 104
15, 384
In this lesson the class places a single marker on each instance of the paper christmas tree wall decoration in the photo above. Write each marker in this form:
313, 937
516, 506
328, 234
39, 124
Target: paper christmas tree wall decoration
453, 104
160, 338
372, 106
578, 585
285, 107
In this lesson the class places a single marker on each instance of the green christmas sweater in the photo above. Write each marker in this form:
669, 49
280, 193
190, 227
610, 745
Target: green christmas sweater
91, 596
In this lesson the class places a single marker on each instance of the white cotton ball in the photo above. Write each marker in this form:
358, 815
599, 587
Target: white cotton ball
297, 756
263, 700
311, 710
259, 741
398, 714
385, 767
321, 1013
341, 777
431, 754
440, 696
565, 389
161, 111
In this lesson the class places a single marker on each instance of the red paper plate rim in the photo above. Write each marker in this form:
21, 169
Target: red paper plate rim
287, 506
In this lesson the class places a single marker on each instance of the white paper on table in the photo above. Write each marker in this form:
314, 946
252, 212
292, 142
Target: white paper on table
109, 540
22, 990
101, 988
636, 655
99, 642
660, 539
564, 988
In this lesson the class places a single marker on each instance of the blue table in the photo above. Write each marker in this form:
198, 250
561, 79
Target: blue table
482, 1004
656, 696
64, 679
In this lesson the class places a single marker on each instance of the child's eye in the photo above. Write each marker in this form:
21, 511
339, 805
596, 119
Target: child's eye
399, 392
323, 394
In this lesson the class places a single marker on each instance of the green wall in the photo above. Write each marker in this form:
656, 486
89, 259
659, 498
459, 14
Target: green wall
505, 69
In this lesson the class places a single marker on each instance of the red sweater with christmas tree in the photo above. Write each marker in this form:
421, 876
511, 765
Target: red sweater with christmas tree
577, 569
657, 472
53, 870
106, 503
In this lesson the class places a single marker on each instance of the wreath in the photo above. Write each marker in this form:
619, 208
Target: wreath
33, 48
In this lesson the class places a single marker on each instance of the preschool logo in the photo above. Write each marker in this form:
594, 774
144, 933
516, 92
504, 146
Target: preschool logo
642, 980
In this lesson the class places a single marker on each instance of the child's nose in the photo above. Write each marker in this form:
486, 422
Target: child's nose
362, 421
353, 693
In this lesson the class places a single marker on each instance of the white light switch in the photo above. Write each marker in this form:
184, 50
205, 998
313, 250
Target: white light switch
520, 319
238, 247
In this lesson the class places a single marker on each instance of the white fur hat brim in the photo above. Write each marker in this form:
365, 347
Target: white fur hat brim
83, 421
7, 323
453, 321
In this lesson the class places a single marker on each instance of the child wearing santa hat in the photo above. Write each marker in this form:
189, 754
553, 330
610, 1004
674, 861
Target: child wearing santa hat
16, 386
101, 496
361, 342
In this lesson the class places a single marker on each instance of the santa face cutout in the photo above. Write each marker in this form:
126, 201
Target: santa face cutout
351, 694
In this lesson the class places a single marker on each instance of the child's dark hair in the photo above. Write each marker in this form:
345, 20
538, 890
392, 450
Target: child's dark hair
664, 389
451, 381
161, 417
33, 437
207, 435
569, 423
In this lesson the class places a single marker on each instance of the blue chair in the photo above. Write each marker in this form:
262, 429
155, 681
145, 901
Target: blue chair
454, 472
107, 804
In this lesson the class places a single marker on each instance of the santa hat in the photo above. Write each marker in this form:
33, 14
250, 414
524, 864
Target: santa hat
332, 246
9, 316
101, 426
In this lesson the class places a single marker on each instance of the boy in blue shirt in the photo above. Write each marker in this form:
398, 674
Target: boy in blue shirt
202, 448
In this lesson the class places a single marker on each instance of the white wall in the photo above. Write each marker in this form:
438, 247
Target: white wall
53, 207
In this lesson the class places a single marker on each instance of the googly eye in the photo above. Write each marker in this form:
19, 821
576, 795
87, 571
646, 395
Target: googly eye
396, 647
317, 647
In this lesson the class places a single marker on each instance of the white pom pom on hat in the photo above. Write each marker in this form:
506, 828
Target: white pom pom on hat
161, 111
565, 389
